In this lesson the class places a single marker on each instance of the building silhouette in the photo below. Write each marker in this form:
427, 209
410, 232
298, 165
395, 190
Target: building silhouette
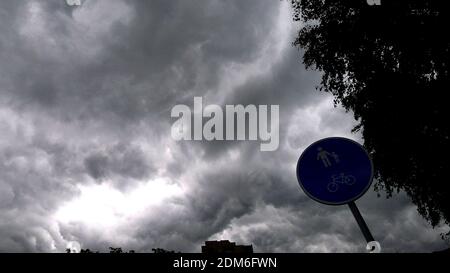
225, 247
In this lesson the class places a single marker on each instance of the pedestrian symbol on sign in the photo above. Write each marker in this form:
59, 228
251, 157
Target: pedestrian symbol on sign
325, 157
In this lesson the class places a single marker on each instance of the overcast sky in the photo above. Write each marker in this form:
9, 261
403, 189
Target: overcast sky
86, 153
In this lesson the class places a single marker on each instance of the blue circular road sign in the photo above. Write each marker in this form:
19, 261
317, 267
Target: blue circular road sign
335, 171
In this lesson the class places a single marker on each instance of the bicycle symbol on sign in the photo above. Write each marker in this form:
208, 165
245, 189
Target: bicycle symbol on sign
341, 178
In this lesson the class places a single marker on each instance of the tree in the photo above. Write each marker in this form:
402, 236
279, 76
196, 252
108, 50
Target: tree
114, 250
118, 250
162, 250
389, 65
88, 251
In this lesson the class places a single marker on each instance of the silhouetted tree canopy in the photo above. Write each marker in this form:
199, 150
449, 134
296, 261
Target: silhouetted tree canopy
115, 250
389, 65
87, 250
161, 250
118, 250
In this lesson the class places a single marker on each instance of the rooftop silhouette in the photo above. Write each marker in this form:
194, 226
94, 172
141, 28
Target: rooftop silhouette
225, 246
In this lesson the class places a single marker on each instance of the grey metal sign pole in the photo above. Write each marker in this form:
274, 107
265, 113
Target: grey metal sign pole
361, 223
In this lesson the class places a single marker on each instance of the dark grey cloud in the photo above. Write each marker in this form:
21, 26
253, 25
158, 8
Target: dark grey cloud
120, 160
86, 153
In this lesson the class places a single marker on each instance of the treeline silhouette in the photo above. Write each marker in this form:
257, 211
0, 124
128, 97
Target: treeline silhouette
118, 250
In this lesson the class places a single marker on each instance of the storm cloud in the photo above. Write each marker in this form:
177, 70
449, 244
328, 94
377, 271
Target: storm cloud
86, 153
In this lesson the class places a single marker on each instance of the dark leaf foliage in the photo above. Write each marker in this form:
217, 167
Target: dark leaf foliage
389, 65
